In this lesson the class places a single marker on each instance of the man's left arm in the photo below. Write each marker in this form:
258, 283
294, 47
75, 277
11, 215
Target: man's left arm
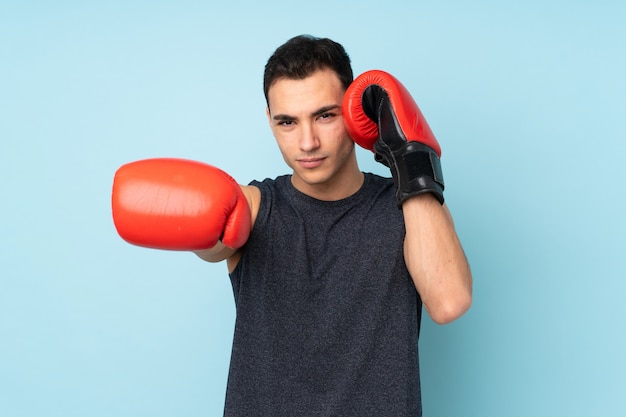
435, 259
380, 115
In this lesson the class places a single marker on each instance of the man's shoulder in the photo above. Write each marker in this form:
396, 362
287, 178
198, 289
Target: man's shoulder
378, 179
377, 182
279, 181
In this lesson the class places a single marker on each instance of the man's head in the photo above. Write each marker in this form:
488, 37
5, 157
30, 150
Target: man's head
301, 56
305, 81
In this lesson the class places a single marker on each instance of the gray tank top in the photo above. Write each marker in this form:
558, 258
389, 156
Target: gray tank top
328, 317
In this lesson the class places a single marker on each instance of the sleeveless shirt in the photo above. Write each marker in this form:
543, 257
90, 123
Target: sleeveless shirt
327, 315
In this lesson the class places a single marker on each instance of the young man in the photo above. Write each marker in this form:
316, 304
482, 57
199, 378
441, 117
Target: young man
330, 266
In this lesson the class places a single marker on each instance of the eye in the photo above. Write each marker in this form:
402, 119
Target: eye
327, 116
286, 123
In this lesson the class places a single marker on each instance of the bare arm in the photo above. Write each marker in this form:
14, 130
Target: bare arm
217, 253
435, 259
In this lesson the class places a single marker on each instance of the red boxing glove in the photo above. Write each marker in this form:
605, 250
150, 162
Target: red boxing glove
380, 115
178, 204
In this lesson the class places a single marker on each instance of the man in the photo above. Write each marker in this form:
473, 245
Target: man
330, 266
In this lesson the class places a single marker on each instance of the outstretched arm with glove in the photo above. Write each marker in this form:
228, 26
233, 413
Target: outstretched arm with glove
183, 205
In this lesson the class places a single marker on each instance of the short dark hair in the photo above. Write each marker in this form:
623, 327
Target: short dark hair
301, 56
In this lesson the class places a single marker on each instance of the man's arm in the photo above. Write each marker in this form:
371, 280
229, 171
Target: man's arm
217, 253
435, 259
183, 205
381, 116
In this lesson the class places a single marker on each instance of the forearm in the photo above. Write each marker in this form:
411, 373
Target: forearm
435, 259
217, 253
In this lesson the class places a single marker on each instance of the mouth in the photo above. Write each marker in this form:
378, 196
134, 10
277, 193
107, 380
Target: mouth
310, 162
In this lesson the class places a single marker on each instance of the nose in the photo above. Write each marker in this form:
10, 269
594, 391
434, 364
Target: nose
309, 140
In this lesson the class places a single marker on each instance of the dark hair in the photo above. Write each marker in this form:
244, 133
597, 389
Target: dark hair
301, 56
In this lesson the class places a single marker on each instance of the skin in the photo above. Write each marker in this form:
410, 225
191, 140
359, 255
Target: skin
306, 120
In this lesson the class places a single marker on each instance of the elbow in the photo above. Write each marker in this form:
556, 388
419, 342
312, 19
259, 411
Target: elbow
450, 309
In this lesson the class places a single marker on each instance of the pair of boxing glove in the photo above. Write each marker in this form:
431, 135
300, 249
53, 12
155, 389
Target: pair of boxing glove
178, 204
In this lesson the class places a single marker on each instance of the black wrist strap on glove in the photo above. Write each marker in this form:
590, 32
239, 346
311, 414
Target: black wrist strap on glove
415, 167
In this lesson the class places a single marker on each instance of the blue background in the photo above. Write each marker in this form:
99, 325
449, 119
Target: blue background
527, 99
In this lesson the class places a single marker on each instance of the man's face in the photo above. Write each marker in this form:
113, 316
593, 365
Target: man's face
306, 120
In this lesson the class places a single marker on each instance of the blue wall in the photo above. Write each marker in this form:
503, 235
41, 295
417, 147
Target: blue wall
528, 101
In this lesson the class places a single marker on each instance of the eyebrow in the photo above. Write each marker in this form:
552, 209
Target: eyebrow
321, 110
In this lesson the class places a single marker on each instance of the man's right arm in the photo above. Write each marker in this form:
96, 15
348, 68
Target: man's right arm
177, 204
